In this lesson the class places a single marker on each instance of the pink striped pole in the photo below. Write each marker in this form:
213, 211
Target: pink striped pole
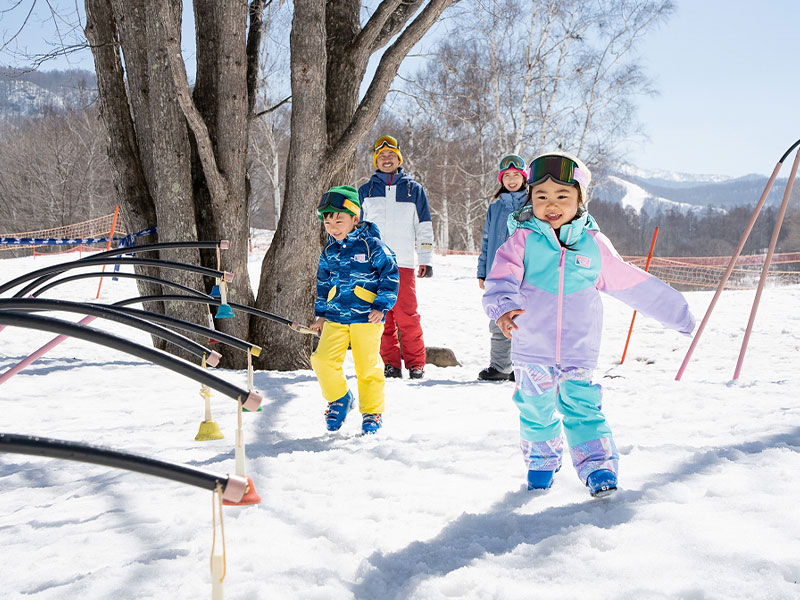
767, 261
731, 264
39, 353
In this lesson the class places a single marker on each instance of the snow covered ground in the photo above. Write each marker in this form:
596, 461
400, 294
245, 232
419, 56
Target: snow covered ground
434, 506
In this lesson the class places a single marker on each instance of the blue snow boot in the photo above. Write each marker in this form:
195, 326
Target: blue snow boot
370, 423
336, 412
540, 480
601, 483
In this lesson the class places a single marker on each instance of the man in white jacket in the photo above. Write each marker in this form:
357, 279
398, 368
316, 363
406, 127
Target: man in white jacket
398, 205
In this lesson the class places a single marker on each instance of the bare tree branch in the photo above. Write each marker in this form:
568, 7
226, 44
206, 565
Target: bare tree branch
255, 13
217, 185
367, 111
272, 108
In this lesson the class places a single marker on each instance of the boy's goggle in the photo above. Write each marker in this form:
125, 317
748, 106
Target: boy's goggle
561, 168
338, 201
511, 160
386, 141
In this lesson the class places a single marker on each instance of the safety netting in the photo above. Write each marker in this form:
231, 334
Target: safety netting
69, 238
708, 271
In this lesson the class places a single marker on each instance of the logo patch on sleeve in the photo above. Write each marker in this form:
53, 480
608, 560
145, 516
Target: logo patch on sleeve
583, 261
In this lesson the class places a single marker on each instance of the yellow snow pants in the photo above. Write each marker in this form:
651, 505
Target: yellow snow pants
364, 340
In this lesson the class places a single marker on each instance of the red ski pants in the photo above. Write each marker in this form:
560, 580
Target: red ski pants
404, 316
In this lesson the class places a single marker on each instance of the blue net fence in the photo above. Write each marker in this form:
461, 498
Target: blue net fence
92, 234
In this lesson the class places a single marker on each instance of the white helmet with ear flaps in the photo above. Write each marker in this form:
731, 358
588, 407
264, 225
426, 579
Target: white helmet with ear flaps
561, 166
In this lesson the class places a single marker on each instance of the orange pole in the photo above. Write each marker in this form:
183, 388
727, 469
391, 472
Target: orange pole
633, 318
108, 246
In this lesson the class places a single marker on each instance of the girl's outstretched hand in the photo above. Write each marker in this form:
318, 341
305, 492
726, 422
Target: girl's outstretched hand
506, 322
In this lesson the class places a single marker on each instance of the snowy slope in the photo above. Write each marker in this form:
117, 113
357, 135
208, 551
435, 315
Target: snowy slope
434, 506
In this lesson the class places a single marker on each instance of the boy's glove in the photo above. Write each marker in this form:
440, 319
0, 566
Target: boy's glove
425, 271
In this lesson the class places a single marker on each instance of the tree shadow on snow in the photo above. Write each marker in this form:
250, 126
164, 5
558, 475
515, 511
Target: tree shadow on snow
396, 575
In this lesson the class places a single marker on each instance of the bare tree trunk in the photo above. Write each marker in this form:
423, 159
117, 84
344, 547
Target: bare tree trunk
127, 171
324, 139
183, 161
285, 287
221, 96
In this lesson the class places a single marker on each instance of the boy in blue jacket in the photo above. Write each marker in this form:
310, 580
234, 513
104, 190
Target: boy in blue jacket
357, 283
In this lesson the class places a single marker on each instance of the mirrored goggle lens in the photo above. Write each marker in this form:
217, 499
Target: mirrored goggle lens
385, 141
512, 160
557, 167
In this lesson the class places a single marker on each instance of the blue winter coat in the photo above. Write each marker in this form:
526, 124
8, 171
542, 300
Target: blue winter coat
355, 276
495, 228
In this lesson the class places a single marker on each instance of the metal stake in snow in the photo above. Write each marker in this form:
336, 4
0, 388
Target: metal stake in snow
735, 256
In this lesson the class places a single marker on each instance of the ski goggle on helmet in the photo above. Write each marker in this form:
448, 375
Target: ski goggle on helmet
333, 201
511, 162
564, 168
385, 141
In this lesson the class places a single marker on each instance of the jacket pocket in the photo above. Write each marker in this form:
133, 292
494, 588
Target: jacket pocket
364, 294
331, 294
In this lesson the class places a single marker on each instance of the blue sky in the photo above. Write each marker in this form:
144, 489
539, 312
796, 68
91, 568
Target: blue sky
727, 80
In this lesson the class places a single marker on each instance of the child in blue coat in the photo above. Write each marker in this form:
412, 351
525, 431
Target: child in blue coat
513, 193
357, 283
543, 292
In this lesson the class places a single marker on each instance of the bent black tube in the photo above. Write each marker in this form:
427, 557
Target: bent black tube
213, 301
143, 248
159, 246
789, 151
220, 336
52, 448
159, 280
103, 312
102, 338
78, 264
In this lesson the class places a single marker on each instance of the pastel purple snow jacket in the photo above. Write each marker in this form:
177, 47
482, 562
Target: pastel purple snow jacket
559, 290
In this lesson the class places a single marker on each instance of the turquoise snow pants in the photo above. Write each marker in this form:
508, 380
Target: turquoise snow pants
543, 390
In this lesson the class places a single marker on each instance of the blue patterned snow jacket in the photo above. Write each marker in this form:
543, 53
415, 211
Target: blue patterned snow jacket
355, 276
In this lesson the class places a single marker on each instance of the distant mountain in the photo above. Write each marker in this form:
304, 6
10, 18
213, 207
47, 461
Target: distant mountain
663, 191
28, 94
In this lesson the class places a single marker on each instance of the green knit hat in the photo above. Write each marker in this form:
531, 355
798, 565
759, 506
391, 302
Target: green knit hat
341, 198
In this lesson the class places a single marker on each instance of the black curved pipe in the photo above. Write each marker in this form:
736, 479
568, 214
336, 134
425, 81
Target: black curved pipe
222, 244
62, 449
159, 280
78, 264
220, 336
789, 151
249, 399
103, 312
213, 301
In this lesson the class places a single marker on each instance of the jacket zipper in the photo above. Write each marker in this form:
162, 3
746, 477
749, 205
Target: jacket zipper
560, 307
